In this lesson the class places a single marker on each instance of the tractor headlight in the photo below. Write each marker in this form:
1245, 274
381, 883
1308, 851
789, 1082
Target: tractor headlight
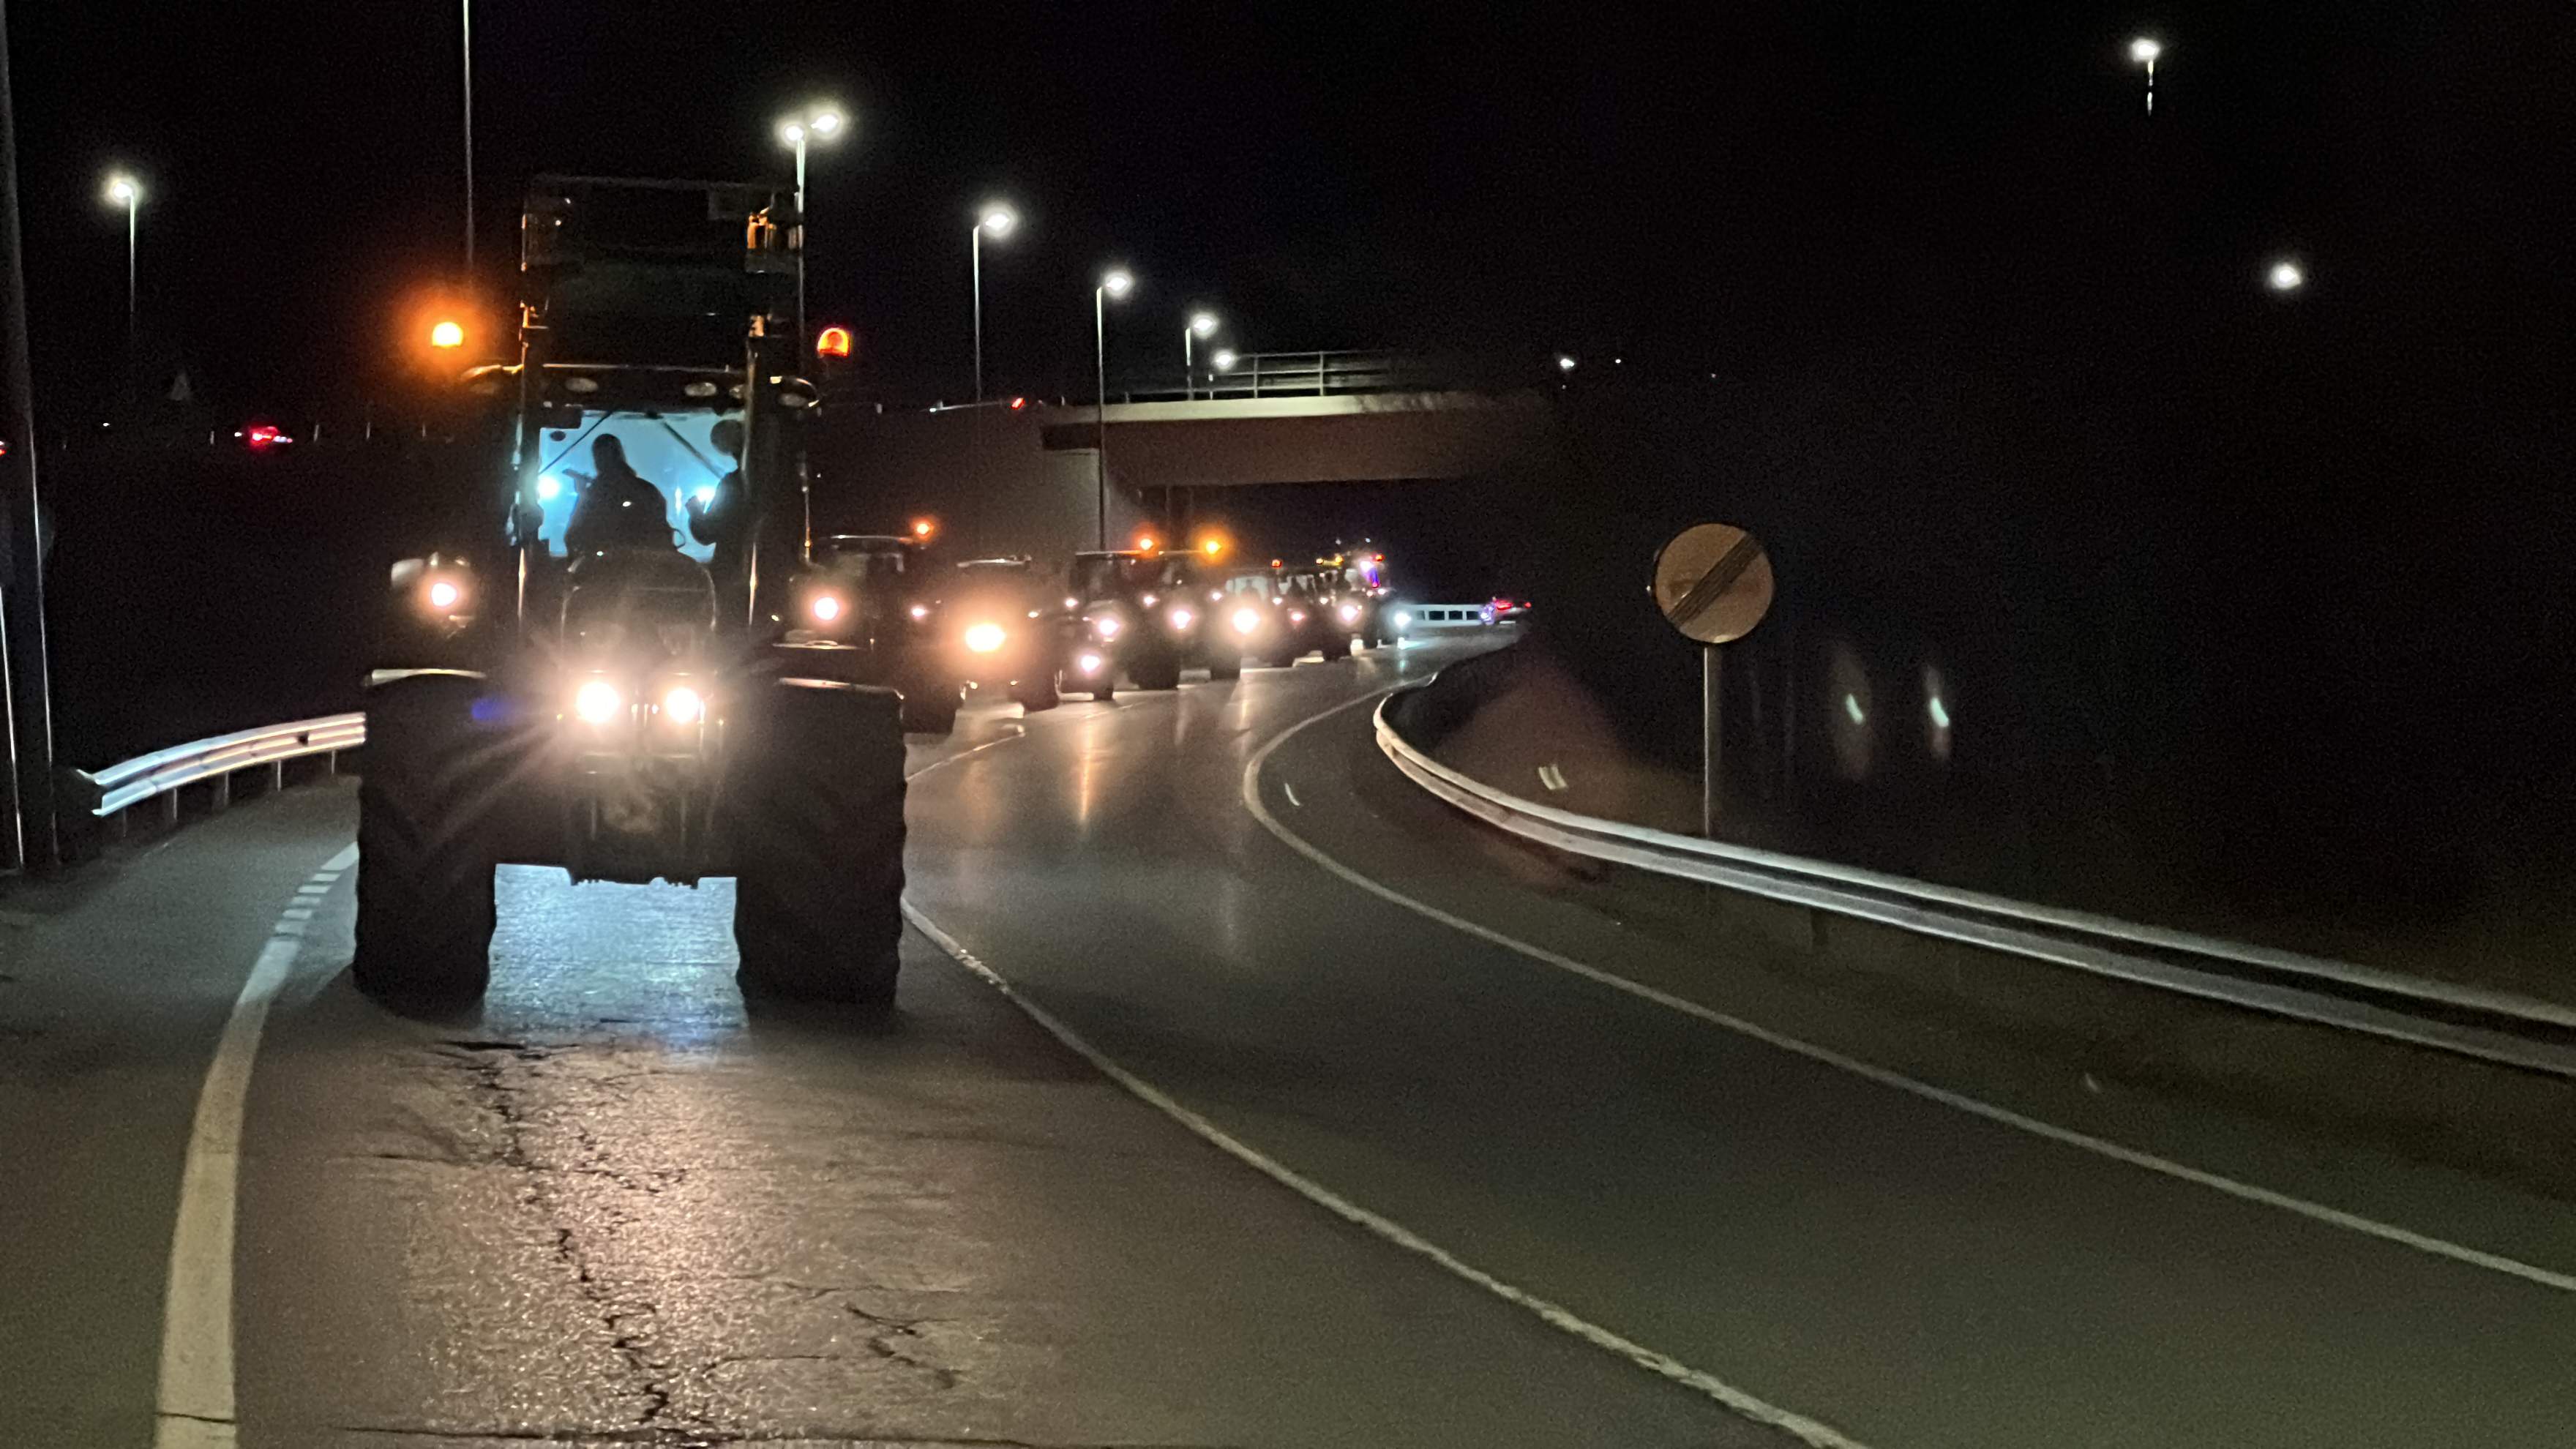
1246, 620
1350, 613
920, 612
682, 706
1182, 618
443, 595
1088, 662
598, 702
1403, 619
825, 607
1296, 616
1106, 626
984, 638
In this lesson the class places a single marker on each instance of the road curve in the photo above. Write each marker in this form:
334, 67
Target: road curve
1850, 1250
610, 1206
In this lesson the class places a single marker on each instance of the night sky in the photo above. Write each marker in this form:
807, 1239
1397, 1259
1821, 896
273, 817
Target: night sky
1516, 179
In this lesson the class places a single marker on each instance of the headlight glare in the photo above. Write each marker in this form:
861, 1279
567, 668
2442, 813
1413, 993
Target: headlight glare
1246, 620
826, 607
682, 706
598, 702
1182, 618
1106, 626
984, 638
445, 594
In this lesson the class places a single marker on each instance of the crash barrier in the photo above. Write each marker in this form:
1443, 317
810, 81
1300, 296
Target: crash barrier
1435, 618
158, 777
2492, 1026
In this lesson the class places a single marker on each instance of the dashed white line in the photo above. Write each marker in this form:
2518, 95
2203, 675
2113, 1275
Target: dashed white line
194, 1403
1292, 794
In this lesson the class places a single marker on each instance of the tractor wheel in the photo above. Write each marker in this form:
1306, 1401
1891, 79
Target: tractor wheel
1227, 668
1101, 689
1337, 647
1033, 695
425, 851
815, 818
1285, 658
929, 711
1162, 671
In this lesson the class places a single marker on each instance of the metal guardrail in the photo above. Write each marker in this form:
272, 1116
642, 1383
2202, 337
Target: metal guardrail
1438, 618
2494, 1026
163, 772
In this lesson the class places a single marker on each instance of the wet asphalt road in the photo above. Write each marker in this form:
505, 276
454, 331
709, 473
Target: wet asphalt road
609, 1207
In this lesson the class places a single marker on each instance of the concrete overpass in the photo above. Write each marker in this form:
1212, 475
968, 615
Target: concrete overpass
1022, 479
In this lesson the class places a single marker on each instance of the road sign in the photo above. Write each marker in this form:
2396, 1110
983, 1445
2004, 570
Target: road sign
1713, 582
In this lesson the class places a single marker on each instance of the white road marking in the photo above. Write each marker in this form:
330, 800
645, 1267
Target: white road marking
1806, 1430
2314, 1211
194, 1405
1292, 794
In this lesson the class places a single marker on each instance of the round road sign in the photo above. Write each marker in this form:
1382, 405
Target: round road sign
1713, 582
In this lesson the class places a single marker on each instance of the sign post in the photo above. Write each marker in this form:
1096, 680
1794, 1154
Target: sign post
1713, 583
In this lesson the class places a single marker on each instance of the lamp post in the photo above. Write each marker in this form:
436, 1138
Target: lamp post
822, 123
995, 221
2144, 51
468, 7
1116, 282
1202, 324
126, 192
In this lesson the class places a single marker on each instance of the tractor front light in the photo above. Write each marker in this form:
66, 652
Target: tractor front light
598, 702
984, 638
682, 706
1246, 620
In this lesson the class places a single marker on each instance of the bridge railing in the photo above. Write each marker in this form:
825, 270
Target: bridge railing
1292, 374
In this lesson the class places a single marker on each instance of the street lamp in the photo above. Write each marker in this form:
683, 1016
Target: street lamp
821, 123
1565, 362
2144, 51
2286, 276
1115, 284
1201, 324
995, 221
127, 192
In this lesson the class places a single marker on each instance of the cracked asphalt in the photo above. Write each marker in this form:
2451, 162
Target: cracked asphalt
613, 1206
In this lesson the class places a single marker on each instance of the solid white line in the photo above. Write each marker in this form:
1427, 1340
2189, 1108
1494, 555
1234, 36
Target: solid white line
195, 1399
1806, 1430
2316, 1212
1292, 794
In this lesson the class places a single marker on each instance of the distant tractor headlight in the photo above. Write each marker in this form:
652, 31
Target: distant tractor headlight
920, 612
1182, 618
443, 595
825, 607
682, 706
984, 638
1404, 618
1246, 620
1350, 613
1296, 616
598, 702
1106, 626
1152, 599
1088, 662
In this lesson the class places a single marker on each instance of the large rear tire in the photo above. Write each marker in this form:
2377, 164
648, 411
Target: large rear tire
929, 711
1227, 668
814, 809
1337, 647
1160, 672
425, 841
1034, 695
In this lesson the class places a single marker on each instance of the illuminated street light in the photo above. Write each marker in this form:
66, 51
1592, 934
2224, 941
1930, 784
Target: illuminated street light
2144, 51
2286, 276
995, 221
822, 123
1116, 283
1224, 359
1202, 324
127, 192
1565, 362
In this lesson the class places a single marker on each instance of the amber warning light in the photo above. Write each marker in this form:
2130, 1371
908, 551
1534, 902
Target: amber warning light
832, 342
